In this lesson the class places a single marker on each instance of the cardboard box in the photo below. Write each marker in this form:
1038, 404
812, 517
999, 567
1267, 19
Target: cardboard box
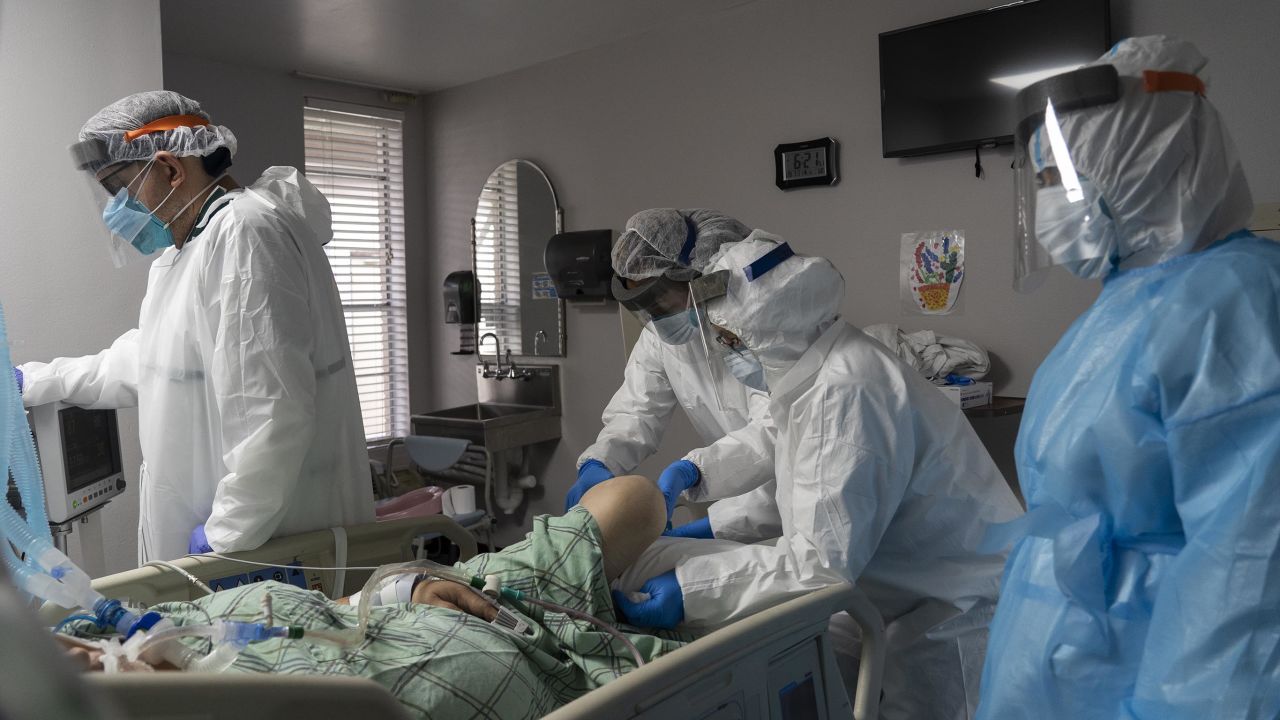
967, 396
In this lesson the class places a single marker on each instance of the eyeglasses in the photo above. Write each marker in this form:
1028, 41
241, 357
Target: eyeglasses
110, 183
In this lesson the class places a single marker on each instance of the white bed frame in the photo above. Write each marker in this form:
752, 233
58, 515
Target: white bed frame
732, 672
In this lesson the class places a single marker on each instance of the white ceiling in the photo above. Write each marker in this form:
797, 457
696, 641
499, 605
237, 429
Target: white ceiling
420, 45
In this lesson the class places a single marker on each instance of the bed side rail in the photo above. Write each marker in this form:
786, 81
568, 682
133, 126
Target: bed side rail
672, 685
166, 696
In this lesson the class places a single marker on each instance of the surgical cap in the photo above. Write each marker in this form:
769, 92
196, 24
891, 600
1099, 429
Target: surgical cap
1165, 164
105, 132
673, 243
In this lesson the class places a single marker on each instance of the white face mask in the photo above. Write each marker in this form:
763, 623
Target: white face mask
1077, 235
677, 329
745, 366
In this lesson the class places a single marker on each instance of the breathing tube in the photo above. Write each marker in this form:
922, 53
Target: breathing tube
26, 546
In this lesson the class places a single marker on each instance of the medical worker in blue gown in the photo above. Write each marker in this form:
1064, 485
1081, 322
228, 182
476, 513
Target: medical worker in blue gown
1146, 580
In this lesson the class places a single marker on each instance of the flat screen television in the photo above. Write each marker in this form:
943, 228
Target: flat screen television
950, 84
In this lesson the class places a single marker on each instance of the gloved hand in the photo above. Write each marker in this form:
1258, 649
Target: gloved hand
678, 477
592, 473
664, 608
198, 542
17, 374
699, 529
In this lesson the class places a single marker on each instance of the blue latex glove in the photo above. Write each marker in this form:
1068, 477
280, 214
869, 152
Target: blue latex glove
17, 374
592, 473
698, 529
678, 477
664, 608
198, 542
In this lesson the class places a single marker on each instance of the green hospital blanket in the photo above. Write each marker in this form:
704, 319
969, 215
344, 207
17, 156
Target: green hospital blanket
444, 664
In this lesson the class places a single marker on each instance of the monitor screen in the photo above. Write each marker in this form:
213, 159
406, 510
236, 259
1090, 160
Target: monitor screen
90, 445
950, 85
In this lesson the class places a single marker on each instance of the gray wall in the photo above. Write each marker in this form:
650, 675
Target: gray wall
60, 62
615, 129
688, 116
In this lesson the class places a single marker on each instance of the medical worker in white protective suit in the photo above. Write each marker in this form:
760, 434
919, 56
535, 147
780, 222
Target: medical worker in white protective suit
1145, 579
880, 481
656, 257
248, 415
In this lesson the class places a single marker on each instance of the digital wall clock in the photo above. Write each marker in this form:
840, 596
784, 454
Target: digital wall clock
806, 163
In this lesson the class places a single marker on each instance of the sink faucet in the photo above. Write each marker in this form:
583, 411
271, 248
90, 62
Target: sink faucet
497, 353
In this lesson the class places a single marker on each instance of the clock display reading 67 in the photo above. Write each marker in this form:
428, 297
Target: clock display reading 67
804, 164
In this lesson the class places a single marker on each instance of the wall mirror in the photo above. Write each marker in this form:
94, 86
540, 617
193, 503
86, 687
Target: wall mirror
515, 217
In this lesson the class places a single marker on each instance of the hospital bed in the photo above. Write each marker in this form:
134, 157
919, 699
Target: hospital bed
775, 664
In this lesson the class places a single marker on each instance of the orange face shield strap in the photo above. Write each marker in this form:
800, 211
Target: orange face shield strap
1157, 81
169, 122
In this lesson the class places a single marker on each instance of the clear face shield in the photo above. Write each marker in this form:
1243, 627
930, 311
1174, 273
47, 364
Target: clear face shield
661, 303
1061, 217
677, 312
112, 189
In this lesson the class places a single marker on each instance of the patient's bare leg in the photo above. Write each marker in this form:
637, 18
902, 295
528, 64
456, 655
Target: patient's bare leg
631, 514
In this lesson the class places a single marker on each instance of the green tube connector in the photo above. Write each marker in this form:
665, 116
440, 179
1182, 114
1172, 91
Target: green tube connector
478, 583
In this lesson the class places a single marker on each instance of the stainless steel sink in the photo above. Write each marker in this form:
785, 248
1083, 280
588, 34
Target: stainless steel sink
481, 412
512, 412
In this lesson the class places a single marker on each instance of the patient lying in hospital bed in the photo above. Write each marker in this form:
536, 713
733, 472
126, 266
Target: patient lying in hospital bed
438, 654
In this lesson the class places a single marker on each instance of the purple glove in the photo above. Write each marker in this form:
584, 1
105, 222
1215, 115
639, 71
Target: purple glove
592, 473
198, 542
678, 477
699, 529
664, 608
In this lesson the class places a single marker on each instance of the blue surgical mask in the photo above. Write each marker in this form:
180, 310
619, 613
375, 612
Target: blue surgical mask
745, 366
128, 218
677, 329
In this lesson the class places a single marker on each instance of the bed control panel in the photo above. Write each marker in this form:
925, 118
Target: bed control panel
290, 575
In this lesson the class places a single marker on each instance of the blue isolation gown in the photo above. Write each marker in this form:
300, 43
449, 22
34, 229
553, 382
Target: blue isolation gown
1147, 581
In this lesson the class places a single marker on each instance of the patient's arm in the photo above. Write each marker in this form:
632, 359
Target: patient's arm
630, 514
446, 594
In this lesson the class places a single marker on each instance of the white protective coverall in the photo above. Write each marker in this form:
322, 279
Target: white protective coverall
880, 481
248, 415
736, 431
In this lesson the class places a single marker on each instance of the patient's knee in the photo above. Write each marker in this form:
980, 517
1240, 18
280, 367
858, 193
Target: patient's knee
634, 497
630, 514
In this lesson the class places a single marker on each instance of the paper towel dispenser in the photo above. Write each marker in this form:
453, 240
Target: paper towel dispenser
579, 264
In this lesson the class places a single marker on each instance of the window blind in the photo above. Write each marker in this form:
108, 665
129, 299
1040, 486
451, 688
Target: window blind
357, 160
498, 258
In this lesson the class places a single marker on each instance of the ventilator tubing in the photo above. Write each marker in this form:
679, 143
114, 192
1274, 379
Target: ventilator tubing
45, 572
